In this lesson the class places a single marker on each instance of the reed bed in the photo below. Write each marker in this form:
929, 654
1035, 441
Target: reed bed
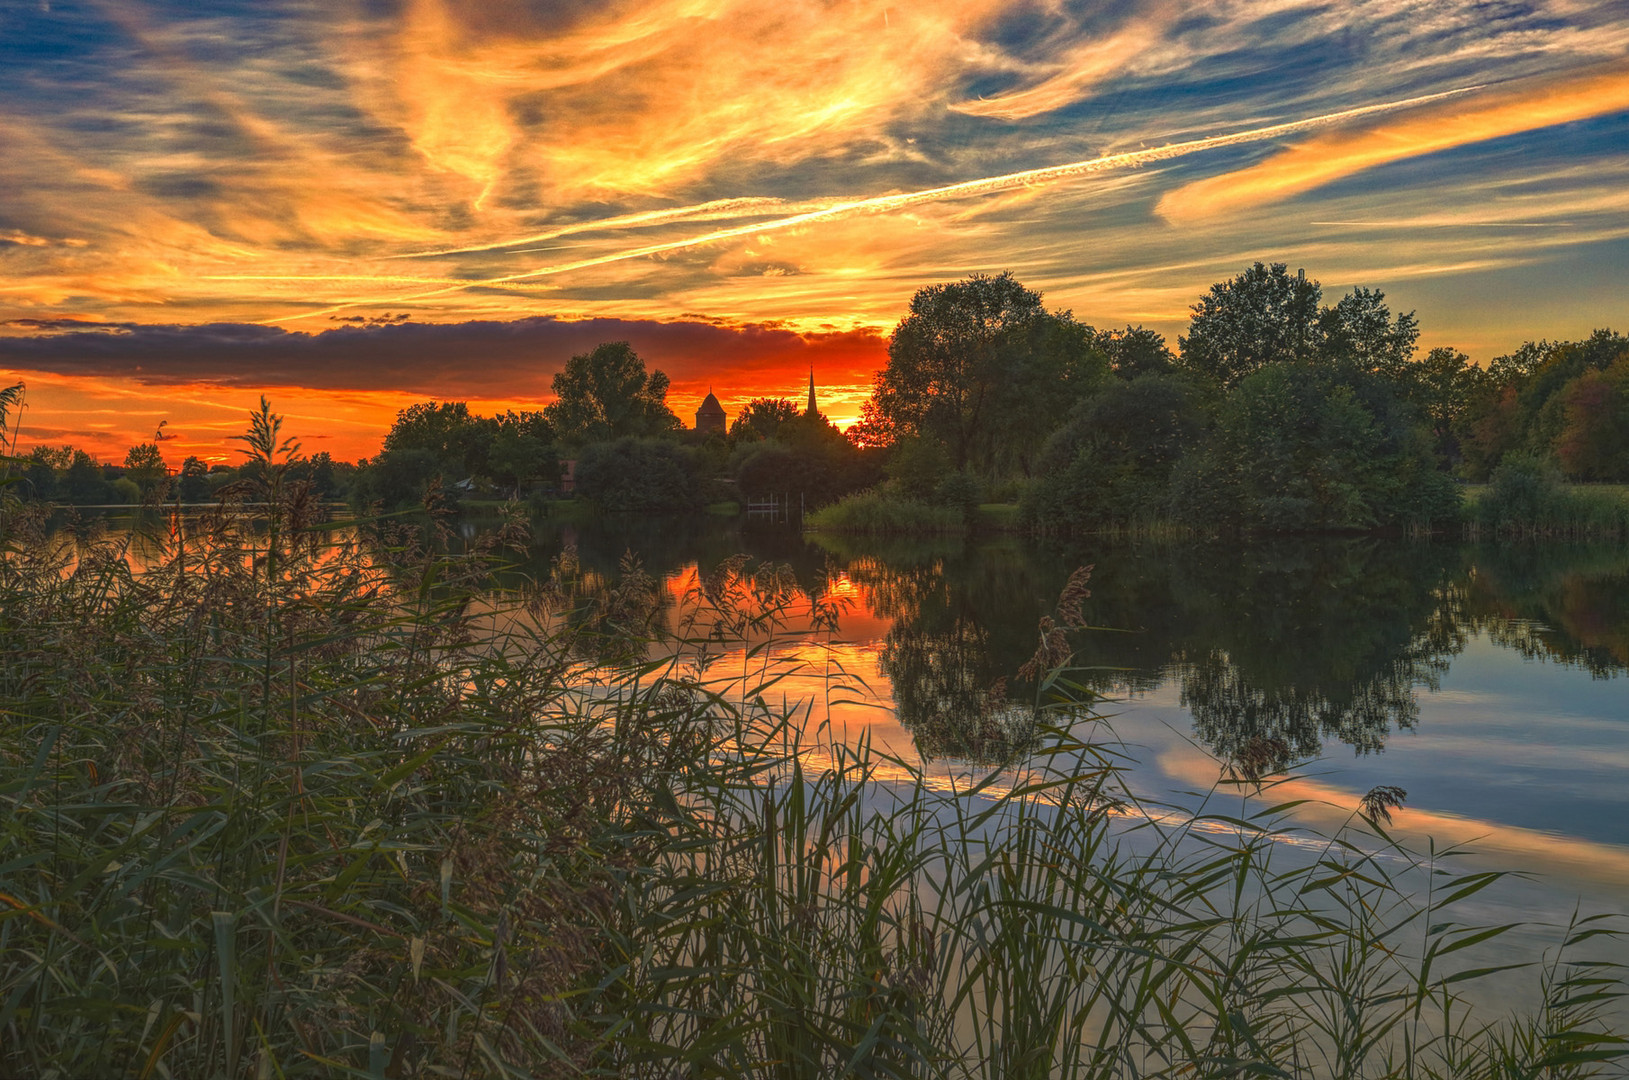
307, 800
880, 513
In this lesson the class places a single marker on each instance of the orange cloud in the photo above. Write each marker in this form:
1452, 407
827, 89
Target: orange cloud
640, 97
1510, 110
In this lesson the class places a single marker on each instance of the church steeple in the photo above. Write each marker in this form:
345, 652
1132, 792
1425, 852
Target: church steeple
811, 410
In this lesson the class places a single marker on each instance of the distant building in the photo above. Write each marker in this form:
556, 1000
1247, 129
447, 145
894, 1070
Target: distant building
811, 410
710, 417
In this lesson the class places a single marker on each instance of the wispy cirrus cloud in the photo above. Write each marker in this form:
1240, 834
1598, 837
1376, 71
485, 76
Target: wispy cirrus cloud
1442, 125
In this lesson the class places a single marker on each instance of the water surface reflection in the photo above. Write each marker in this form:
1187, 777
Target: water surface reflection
1318, 653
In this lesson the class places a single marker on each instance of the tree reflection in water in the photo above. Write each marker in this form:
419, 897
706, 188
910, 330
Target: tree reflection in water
1280, 649
951, 650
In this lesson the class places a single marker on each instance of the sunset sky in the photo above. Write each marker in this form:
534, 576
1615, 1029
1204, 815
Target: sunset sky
354, 206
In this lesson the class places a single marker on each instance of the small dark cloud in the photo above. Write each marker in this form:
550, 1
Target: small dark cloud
52, 326
179, 186
44, 435
383, 319
471, 359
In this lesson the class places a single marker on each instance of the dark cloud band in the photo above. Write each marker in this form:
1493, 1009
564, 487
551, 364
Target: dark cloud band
470, 359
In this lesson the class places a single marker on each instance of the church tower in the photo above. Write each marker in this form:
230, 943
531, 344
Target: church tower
710, 417
811, 410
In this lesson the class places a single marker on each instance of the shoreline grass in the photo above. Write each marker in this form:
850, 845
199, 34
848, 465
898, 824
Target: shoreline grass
1527, 500
879, 514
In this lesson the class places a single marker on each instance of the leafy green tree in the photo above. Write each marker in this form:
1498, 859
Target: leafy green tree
917, 466
522, 451
1360, 332
398, 478
323, 474
608, 394
762, 419
1263, 316
1112, 462
1442, 384
42, 469
83, 481
1135, 351
1298, 449
457, 439
982, 367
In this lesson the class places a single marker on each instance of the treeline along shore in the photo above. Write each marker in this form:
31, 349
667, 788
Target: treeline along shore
1276, 412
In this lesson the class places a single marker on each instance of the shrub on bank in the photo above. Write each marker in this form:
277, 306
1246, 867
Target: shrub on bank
1526, 496
878, 512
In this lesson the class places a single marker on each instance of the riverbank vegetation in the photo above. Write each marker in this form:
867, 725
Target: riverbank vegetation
1528, 498
304, 798
875, 513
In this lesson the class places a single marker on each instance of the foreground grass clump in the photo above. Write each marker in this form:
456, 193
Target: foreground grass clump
301, 801
878, 513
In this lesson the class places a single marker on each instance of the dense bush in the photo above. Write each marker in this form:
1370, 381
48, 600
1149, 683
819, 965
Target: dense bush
642, 475
806, 459
1111, 463
1528, 497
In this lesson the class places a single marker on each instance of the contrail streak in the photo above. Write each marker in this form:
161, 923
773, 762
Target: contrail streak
737, 207
880, 203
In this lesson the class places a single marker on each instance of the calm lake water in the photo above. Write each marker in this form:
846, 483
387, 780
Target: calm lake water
1488, 681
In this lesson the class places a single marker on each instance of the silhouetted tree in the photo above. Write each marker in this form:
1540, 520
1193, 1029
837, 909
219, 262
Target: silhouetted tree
762, 419
194, 480
144, 467
983, 368
1135, 351
1360, 333
608, 394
